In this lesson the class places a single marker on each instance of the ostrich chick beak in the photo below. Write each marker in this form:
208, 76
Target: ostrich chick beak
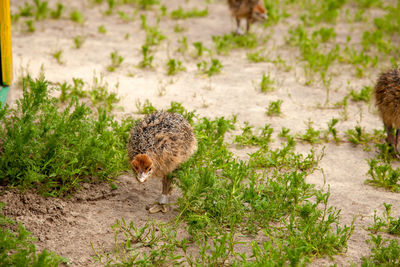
142, 177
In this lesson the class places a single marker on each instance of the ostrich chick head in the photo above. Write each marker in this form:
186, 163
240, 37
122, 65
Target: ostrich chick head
142, 165
259, 12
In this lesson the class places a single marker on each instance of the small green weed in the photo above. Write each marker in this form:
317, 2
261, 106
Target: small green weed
223, 44
266, 84
42, 9
116, 60
383, 175
211, 68
58, 55
31, 25
364, 95
274, 108
57, 13
256, 56
147, 61
174, 66
387, 223
312, 135
79, 40
77, 16
193, 13
248, 138
386, 252
146, 108
102, 29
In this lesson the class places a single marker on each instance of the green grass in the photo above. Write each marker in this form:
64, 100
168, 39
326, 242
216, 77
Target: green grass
52, 149
193, 13
79, 40
116, 61
383, 175
266, 84
223, 44
18, 248
210, 68
274, 108
77, 16
224, 200
174, 66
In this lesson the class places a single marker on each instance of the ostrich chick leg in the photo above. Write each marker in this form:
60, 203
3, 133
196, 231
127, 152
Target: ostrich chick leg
392, 140
162, 201
238, 30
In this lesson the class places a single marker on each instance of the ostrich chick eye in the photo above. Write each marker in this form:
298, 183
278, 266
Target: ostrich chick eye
149, 169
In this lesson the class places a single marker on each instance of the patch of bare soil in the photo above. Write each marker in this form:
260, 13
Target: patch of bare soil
70, 226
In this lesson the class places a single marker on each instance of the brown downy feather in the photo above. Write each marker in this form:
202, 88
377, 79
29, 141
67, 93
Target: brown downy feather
387, 96
167, 139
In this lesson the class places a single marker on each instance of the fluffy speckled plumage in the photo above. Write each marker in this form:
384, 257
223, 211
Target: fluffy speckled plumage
166, 138
387, 96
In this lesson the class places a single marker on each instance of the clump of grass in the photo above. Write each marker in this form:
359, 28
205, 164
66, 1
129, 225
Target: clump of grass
248, 138
223, 44
274, 108
364, 95
385, 252
266, 84
57, 13
358, 136
31, 25
100, 95
193, 13
383, 175
200, 48
102, 29
256, 56
210, 68
387, 223
18, 248
174, 66
183, 45
145, 108
69, 92
116, 60
147, 61
77, 16
79, 40
311, 135
42, 9
58, 55
54, 150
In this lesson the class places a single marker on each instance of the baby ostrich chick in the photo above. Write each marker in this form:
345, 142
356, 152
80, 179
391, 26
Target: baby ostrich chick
387, 95
156, 147
251, 10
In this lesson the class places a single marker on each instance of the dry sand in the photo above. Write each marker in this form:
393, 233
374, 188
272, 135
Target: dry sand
69, 226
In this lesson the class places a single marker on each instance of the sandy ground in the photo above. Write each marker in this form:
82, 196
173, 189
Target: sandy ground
69, 226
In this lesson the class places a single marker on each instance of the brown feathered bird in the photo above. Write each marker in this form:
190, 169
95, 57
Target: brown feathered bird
250, 10
387, 96
156, 147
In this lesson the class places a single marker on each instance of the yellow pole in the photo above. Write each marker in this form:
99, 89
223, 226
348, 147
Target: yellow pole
5, 43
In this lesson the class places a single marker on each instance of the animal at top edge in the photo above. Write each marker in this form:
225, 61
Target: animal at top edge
250, 10
387, 97
158, 144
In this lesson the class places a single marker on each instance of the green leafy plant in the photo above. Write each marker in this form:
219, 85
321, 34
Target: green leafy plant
385, 252
31, 25
364, 95
54, 150
56, 14
146, 108
193, 13
79, 40
18, 248
116, 60
383, 175
274, 108
387, 223
266, 84
211, 68
58, 55
147, 61
102, 29
174, 66
223, 44
77, 16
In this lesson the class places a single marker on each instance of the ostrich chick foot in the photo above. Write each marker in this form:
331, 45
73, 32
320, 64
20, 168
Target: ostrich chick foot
161, 205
